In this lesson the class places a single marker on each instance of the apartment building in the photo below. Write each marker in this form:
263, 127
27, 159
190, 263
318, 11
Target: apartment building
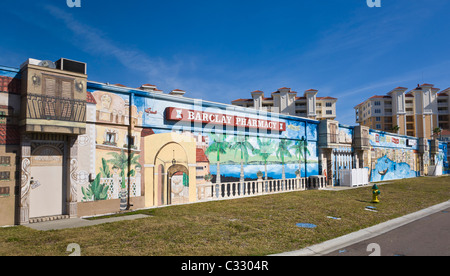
285, 101
416, 112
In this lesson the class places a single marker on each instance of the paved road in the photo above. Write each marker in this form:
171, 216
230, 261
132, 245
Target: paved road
428, 236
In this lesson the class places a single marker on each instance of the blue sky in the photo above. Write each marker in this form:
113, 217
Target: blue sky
221, 50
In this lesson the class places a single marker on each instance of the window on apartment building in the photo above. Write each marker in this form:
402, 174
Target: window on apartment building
443, 118
329, 112
378, 126
409, 102
378, 119
377, 111
377, 103
5, 160
409, 110
328, 104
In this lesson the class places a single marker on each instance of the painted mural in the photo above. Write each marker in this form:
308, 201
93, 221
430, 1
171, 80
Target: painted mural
177, 143
442, 158
393, 157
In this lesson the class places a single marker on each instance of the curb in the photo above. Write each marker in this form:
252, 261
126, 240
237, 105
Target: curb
365, 234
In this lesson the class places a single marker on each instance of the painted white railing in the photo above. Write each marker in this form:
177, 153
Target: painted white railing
218, 191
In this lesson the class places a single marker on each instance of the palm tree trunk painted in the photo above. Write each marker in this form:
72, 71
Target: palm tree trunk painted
265, 169
218, 179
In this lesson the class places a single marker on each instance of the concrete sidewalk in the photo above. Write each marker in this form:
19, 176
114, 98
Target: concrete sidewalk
78, 222
365, 234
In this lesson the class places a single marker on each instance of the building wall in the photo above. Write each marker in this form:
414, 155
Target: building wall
9, 144
392, 156
166, 150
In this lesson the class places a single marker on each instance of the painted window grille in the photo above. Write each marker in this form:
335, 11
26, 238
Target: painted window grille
5, 175
5, 160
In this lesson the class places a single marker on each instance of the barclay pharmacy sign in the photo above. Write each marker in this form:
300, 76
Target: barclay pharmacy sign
195, 116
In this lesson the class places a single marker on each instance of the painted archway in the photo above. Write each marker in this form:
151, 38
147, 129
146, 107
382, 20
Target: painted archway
171, 157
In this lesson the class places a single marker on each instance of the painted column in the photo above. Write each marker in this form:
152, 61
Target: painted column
71, 203
25, 187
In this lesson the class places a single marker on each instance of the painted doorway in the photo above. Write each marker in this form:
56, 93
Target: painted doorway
178, 184
47, 195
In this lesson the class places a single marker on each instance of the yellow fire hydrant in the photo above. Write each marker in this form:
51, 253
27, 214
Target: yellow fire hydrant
375, 194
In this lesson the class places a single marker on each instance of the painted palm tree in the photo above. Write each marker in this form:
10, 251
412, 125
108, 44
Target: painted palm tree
121, 161
301, 151
282, 152
264, 150
242, 145
219, 146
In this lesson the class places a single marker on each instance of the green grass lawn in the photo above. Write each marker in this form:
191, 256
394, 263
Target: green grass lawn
251, 226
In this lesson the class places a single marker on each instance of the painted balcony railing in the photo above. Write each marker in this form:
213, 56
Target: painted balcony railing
218, 191
55, 108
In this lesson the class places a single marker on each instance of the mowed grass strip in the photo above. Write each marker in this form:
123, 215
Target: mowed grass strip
242, 227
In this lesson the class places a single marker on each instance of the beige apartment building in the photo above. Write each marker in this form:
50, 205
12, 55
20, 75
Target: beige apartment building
416, 112
285, 101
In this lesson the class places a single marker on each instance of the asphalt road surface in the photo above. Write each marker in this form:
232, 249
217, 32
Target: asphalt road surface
428, 236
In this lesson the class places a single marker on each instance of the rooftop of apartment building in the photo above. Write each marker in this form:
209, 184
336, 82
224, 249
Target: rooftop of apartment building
409, 94
289, 91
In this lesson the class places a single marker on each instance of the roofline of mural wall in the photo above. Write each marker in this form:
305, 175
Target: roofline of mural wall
126, 90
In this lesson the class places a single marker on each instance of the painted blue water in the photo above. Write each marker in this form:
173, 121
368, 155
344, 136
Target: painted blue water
273, 171
386, 169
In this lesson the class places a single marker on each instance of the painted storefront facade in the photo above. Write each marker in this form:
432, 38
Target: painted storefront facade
111, 148
177, 143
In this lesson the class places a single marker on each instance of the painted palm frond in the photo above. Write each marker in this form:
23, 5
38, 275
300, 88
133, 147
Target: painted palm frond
242, 145
283, 149
301, 149
265, 149
219, 146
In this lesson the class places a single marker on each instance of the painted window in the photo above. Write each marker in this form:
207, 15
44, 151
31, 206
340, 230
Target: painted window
5, 160
5, 175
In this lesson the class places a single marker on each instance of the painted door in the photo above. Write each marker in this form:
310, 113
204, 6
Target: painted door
47, 193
